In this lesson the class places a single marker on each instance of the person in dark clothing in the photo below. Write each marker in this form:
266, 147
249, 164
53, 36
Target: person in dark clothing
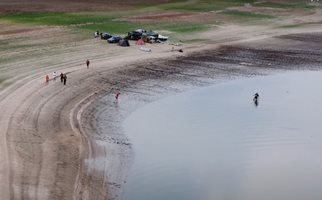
256, 95
61, 77
117, 96
87, 63
255, 99
65, 79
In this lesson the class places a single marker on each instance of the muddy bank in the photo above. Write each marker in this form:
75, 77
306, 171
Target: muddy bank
107, 164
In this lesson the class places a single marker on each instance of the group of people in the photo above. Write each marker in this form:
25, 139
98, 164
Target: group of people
63, 79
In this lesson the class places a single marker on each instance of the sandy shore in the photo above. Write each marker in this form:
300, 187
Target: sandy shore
50, 135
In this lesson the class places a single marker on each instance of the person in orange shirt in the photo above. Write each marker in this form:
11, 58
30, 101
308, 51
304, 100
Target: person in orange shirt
47, 78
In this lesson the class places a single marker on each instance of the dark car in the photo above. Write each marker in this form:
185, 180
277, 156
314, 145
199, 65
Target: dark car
105, 36
114, 39
134, 35
153, 34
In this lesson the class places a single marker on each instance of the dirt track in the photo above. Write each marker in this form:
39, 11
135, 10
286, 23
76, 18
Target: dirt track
49, 133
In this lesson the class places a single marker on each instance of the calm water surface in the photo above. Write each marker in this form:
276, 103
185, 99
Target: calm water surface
215, 144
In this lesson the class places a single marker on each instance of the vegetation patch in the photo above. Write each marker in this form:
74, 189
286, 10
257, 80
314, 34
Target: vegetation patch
90, 22
293, 5
247, 15
203, 5
56, 19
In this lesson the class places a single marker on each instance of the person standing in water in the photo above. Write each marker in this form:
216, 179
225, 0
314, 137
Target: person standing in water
256, 95
87, 63
255, 99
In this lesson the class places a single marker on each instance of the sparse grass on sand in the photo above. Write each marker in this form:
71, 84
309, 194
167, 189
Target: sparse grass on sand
247, 15
115, 23
204, 6
290, 5
98, 21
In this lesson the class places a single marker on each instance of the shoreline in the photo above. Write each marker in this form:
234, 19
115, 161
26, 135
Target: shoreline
159, 85
50, 130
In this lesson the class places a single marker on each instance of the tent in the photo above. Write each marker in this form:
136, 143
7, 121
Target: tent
140, 42
124, 43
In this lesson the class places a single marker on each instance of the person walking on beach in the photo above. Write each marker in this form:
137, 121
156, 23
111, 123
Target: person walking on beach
65, 79
61, 77
47, 78
87, 63
117, 96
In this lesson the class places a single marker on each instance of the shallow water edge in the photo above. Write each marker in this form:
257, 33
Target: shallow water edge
141, 84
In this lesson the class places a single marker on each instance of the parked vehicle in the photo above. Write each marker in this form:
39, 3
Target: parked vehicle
134, 35
114, 39
105, 36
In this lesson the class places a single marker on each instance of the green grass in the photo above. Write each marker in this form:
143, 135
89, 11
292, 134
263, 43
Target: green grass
247, 15
293, 5
56, 19
90, 22
112, 21
203, 5
84, 21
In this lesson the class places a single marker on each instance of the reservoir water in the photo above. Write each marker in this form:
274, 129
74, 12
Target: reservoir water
213, 143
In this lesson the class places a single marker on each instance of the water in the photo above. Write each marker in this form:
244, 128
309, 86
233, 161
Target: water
215, 144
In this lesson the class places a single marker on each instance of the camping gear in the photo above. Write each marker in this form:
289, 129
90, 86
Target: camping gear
145, 49
140, 42
134, 35
162, 38
124, 43
96, 34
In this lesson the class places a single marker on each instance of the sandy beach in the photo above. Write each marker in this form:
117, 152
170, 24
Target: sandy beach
50, 138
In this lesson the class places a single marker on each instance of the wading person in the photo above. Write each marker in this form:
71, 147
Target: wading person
87, 63
256, 95
255, 99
